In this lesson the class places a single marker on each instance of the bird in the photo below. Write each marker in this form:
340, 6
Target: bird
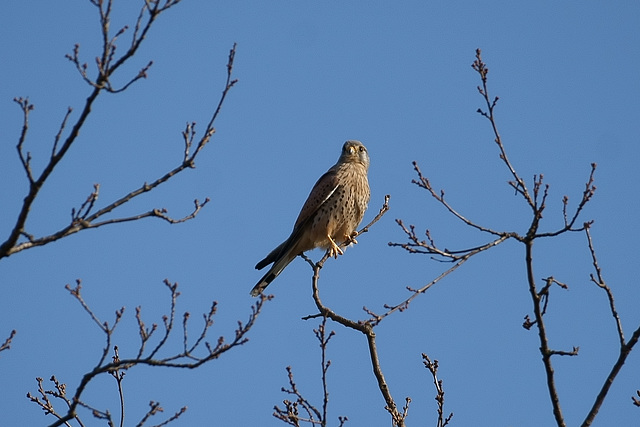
330, 215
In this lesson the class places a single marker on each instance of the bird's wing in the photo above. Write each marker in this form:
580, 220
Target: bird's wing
320, 193
322, 190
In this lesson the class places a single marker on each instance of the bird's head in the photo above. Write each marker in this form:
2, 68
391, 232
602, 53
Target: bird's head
354, 152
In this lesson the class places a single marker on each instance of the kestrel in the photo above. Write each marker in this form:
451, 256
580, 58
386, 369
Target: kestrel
330, 215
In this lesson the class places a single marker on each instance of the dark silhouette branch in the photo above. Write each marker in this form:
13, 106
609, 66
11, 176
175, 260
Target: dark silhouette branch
545, 350
458, 261
323, 338
290, 414
363, 326
118, 375
6, 345
107, 63
191, 357
26, 108
625, 346
599, 281
518, 183
535, 198
417, 246
432, 366
635, 400
423, 182
366, 328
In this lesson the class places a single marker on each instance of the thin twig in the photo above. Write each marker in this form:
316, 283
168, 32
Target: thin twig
107, 64
432, 366
599, 280
459, 260
184, 359
423, 182
625, 346
6, 345
518, 184
365, 328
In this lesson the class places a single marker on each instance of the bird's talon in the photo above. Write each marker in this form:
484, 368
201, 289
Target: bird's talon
334, 250
352, 237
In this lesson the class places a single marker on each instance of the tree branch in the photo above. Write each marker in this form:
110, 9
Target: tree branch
107, 64
518, 183
291, 413
433, 368
364, 327
536, 199
625, 346
116, 367
6, 345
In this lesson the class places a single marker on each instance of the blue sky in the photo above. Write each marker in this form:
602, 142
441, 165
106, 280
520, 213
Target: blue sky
395, 75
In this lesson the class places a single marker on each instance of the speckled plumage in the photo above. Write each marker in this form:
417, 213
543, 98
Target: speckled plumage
330, 215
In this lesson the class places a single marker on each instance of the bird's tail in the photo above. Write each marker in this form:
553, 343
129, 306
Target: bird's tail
273, 272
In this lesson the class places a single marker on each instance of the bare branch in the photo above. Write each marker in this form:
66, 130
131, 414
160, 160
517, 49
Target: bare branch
76, 293
107, 64
459, 260
323, 338
625, 346
6, 345
119, 376
625, 350
423, 182
573, 352
417, 246
154, 409
536, 199
538, 310
227, 87
518, 184
116, 367
44, 403
599, 280
433, 368
383, 210
587, 194
366, 328
26, 108
290, 414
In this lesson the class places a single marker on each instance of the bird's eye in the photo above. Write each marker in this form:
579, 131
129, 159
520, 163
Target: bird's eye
361, 149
